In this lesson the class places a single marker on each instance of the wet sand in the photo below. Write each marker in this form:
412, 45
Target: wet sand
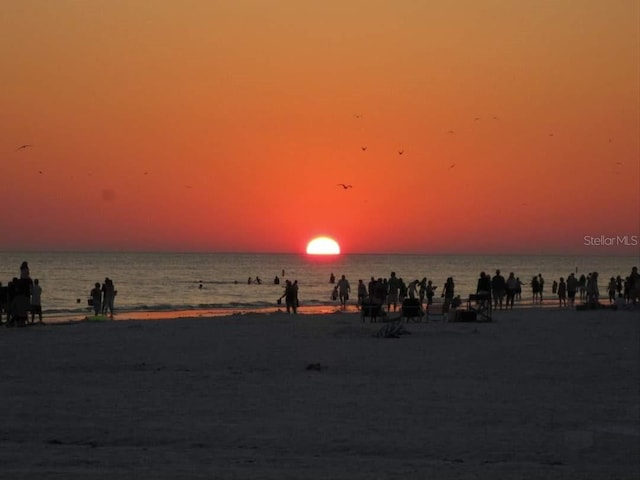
538, 393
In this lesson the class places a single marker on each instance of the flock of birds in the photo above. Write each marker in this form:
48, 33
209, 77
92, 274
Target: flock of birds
358, 116
345, 186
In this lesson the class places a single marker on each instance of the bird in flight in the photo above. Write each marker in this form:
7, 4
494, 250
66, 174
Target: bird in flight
345, 186
22, 147
400, 152
452, 165
451, 132
364, 149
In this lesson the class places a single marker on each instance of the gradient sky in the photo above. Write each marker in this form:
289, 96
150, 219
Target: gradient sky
209, 125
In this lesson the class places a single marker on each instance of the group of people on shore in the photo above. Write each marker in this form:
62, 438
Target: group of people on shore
390, 291
500, 291
20, 298
102, 297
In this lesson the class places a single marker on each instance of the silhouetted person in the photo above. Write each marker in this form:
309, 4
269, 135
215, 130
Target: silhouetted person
96, 299
611, 290
343, 291
512, 288
582, 286
562, 292
448, 292
431, 291
592, 289
362, 293
36, 301
108, 297
572, 288
498, 288
393, 289
535, 289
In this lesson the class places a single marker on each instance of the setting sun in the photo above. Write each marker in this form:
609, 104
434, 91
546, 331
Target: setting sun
323, 246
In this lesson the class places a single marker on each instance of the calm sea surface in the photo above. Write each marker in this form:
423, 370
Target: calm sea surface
166, 282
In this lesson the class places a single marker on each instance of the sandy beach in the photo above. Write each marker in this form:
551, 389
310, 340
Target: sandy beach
535, 394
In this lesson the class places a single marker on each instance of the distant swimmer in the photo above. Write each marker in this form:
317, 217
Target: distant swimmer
345, 186
22, 147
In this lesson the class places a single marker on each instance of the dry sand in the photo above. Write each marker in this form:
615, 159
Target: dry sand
535, 394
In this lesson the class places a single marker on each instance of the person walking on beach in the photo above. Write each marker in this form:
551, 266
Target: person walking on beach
448, 292
393, 287
512, 287
413, 289
362, 293
422, 290
535, 289
291, 297
108, 297
619, 286
540, 285
519, 289
611, 289
592, 289
343, 291
582, 286
96, 299
572, 288
431, 291
36, 301
498, 287
562, 292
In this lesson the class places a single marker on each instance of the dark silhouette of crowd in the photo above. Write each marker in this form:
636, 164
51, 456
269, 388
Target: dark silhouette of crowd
501, 293
21, 297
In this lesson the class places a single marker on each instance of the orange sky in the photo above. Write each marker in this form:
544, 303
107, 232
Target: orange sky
227, 125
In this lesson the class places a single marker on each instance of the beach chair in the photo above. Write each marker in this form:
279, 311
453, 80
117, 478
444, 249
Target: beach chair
481, 305
411, 309
371, 310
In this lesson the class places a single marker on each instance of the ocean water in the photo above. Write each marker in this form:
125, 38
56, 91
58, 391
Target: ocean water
167, 282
